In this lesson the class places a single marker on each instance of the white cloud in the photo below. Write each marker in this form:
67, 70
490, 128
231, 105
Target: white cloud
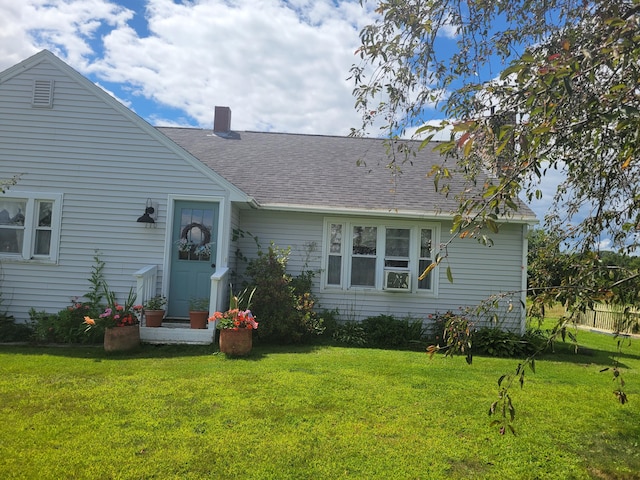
66, 27
279, 65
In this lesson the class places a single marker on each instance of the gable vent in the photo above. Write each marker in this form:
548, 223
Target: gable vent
42, 93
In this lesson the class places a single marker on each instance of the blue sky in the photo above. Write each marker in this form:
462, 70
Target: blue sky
279, 65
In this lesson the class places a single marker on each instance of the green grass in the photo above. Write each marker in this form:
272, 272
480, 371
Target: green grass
311, 412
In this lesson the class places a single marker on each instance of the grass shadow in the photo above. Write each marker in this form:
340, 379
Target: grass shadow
150, 351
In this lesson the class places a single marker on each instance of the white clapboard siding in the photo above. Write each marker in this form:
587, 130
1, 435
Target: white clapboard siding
478, 271
106, 162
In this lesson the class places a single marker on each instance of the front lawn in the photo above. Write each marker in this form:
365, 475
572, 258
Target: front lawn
311, 412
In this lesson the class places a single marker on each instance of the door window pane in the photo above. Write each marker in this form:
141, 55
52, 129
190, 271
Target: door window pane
195, 234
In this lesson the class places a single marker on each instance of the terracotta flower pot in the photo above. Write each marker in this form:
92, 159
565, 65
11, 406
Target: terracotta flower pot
120, 339
198, 319
236, 343
153, 318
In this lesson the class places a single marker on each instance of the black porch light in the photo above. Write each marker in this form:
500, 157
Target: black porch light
149, 213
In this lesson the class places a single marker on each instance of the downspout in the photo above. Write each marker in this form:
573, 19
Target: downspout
523, 291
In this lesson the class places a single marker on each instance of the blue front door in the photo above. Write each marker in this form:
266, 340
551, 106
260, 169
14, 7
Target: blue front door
193, 254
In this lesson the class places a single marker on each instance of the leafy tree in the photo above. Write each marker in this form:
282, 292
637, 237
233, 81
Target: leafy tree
532, 87
547, 264
569, 101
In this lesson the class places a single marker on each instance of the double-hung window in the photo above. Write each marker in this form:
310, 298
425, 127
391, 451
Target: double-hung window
383, 256
29, 226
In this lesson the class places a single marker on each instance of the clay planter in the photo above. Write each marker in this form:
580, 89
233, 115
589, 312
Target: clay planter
121, 339
198, 319
153, 318
236, 343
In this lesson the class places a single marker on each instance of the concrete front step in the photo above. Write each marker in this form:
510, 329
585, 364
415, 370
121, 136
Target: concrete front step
177, 333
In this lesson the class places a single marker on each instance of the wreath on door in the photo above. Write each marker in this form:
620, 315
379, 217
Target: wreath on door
203, 248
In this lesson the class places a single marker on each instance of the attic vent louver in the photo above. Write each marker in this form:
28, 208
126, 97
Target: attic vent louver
42, 94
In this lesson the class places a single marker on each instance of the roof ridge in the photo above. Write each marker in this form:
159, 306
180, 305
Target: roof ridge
319, 135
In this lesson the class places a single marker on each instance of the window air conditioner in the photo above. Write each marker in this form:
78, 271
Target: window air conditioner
397, 280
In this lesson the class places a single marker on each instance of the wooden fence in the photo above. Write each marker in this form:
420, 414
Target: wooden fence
611, 318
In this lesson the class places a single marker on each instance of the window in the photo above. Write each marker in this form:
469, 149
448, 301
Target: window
385, 256
426, 257
363, 258
29, 226
334, 263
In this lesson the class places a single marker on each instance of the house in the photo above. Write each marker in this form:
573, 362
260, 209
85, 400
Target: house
161, 206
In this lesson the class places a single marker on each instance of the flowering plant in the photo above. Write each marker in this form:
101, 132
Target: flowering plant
115, 314
235, 318
155, 303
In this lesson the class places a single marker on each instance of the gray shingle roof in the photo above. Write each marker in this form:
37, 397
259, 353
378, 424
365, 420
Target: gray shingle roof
320, 171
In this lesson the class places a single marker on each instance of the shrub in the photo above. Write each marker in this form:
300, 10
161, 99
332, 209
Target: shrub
283, 305
330, 322
10, 331
500, 343
455, 334
350, 333
386, 331
496, 342
67, 326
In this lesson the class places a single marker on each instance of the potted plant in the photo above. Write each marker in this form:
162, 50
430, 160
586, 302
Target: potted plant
236, 326
154, 311
198, 312
119, 323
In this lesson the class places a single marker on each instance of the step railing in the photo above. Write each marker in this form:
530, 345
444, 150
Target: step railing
146, 283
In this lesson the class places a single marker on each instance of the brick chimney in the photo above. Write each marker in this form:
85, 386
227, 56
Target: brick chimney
222, 120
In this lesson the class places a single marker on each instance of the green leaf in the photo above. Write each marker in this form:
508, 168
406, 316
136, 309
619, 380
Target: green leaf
541, 129
527, 57
512, 410
449, 274
468, 145
492, 225
514, 68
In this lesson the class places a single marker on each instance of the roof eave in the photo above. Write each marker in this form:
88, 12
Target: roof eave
378, 212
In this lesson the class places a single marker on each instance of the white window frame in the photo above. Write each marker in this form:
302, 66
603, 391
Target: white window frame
33, 200
382, 225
